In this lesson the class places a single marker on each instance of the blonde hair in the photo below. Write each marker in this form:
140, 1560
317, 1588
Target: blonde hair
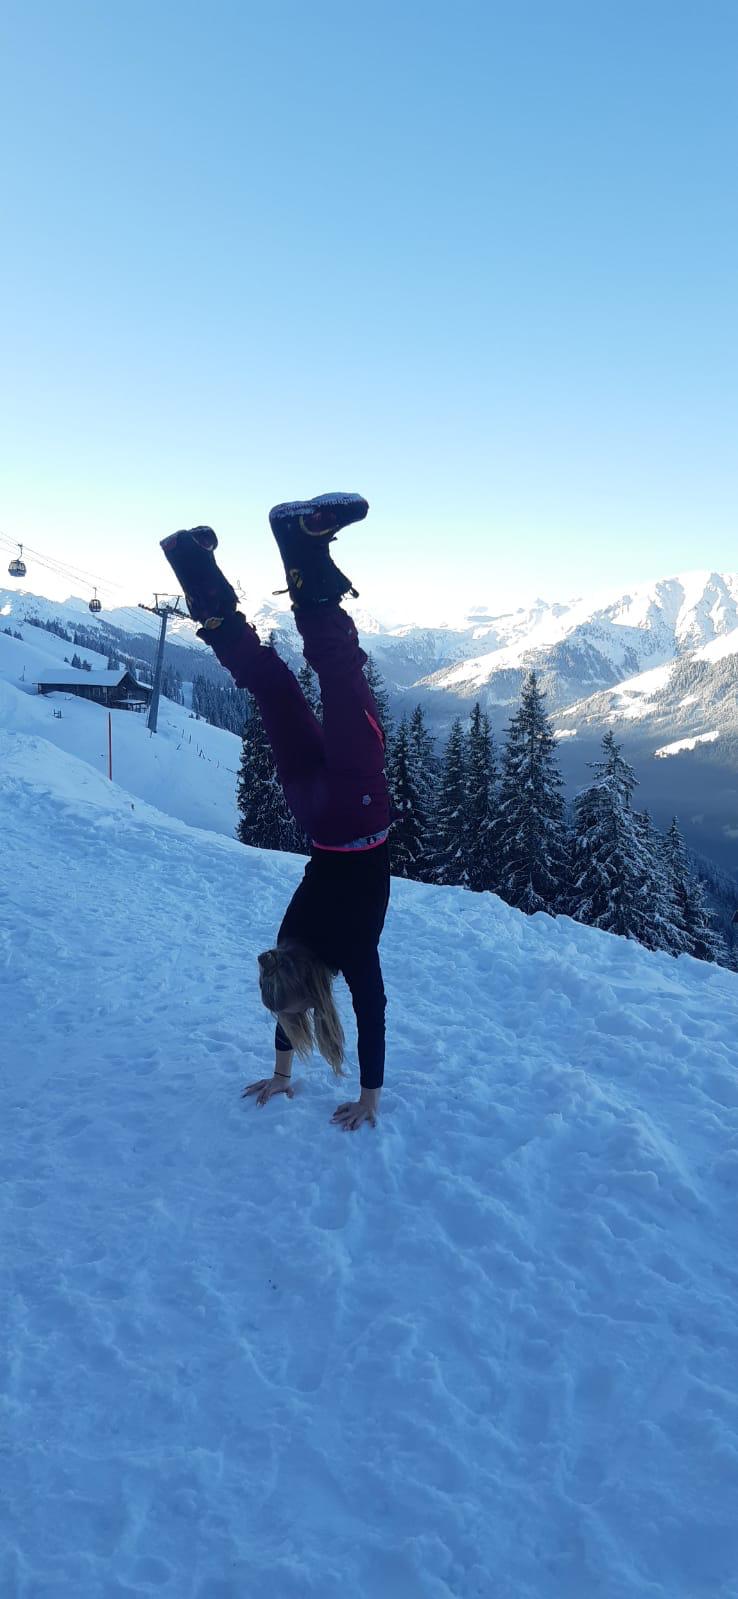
291, 975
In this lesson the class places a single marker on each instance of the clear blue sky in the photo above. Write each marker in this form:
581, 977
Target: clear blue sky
477, 261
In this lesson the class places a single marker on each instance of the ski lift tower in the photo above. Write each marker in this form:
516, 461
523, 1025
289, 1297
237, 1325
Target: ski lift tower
163, 609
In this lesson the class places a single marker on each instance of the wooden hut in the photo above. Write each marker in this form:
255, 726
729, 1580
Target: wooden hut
119, 690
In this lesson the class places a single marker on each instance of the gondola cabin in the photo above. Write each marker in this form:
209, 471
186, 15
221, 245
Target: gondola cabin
17, 567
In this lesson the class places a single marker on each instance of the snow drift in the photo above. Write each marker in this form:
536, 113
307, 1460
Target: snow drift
488, 1348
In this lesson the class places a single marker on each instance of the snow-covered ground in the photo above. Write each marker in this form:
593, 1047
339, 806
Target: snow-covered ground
188, 768
16, 603
634, 698
487, 1350
687, 743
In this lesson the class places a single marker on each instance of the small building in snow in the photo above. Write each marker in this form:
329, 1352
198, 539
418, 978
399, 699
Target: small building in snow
119, 690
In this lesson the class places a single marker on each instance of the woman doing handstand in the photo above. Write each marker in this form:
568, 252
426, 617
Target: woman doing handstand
334, 783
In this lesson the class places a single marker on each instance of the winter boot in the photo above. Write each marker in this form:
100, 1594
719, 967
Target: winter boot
208, 595
303, 530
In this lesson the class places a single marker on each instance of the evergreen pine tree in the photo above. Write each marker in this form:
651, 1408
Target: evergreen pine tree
199, 694
421, 745
694, 934
653, 905
424, 768
731, 947
171, 685
291, 836
52, 626
407, 843
310, 687
386, 720
220, 703
609, 865
379, 690
295, 839
481, 804
707, 944
678, 883
265, 821
450, 833
533, 852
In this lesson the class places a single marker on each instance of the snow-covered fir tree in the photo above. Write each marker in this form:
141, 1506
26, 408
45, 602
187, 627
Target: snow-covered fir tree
386, 720
53, 626
654, 905
450, 837
480, 810
379, 690
311, 689
707, 943
295, 840
694, 933
609, 865
533, 853
220, 703
264, 820
678, 882
171, 684
423, 751
721, 889
425, 769
407, 834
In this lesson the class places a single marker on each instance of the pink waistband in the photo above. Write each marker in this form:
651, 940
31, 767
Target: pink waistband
372, 841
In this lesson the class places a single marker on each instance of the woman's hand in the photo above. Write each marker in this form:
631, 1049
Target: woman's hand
353, 1113
267, 1086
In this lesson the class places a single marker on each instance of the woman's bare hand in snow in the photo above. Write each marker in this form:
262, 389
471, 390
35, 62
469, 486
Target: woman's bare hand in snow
352, 1114
267, 1087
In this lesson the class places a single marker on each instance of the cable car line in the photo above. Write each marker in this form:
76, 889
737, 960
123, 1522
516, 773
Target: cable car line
76, 575
63, 569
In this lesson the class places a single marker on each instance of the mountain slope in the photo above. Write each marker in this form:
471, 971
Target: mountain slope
189, 768
686, 698
584, 648
489, 1346
679, 728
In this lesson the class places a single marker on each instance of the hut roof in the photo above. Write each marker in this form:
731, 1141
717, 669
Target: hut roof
70, 677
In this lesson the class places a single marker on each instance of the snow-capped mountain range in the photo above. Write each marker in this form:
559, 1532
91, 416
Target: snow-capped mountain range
658, 664
580, 648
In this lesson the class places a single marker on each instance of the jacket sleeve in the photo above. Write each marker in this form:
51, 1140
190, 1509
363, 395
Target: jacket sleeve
363, 975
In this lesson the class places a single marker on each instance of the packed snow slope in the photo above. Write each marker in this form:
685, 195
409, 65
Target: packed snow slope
486, 1350
188, 768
